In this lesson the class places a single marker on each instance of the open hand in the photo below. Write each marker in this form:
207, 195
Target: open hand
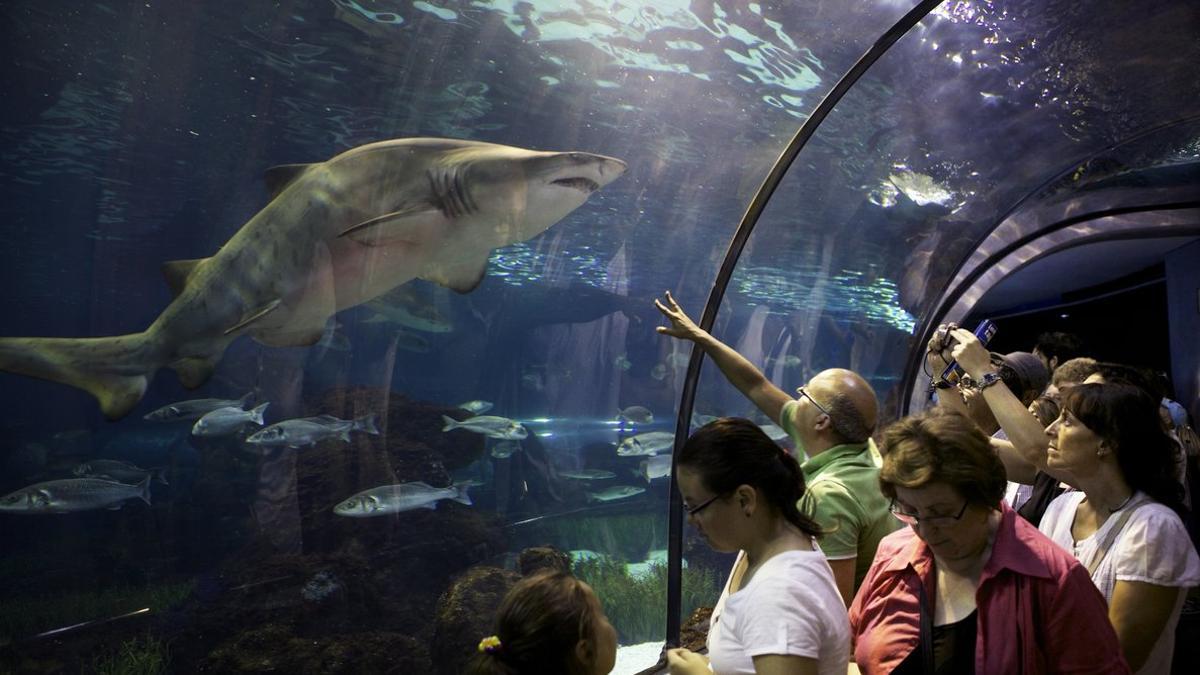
682, 325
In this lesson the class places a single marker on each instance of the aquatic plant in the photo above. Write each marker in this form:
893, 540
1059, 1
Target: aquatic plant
23, 617
630, 536
140, 656
636, 604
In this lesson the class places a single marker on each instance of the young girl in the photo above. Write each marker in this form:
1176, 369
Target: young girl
549, 624
780, 611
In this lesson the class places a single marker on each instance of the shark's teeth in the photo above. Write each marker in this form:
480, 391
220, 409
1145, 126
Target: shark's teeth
579, 183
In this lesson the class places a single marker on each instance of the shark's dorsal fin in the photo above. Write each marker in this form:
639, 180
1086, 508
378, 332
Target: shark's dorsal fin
390, 227
255, 315
279, 177
176, 272
459, 275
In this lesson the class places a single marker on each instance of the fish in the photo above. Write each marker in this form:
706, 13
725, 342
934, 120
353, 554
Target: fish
649, 443
587, 474
70, 495
659, 371
334, 235
389, 499
226, 421
789, 361
658, 466
488, 425
622, 362
505, 449
411, 342
296, 433
614, 493
120, 471
182, 411
404, 308
476, 407
636, 414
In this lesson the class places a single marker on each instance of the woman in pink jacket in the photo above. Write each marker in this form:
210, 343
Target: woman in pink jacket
969, 587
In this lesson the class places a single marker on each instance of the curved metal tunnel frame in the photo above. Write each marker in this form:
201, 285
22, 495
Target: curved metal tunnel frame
750, 219
717, 294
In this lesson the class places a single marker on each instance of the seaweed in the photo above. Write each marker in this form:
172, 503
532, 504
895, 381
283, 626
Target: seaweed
139, 656
636, 604
629, 536
24, 617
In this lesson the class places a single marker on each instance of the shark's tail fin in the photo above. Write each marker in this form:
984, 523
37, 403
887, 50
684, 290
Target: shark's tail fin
115, 370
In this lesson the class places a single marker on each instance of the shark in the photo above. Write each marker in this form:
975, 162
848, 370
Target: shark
335, 234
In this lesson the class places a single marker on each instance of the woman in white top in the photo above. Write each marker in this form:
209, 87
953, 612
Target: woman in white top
780, 612
1123, 524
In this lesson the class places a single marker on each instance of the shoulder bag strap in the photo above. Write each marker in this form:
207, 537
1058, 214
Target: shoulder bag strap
926, 632
1103, 545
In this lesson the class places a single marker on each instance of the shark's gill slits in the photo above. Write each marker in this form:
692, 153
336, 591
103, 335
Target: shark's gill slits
443, 194
459, 192
579, 183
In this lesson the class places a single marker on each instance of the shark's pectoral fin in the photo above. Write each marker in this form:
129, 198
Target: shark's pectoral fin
255, 316
279, 177
177, 272
461, 275
194, 371
394, 227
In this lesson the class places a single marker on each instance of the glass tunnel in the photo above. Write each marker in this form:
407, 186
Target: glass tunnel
471, 315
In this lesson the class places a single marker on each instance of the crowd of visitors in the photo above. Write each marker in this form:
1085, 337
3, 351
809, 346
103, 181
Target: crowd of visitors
1035, 518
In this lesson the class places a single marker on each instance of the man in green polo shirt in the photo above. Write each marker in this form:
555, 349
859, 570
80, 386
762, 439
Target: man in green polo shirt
830, 423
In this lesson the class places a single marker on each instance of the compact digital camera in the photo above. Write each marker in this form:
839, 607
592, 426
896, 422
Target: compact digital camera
985, 331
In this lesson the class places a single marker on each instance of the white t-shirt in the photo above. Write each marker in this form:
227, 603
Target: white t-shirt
791, 607
1152, 547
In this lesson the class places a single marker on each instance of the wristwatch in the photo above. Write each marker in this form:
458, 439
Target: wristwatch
985, 381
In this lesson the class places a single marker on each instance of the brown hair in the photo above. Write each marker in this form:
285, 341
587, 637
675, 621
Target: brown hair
1127, 416
941, 446
539, 623
1074, 371
733, 451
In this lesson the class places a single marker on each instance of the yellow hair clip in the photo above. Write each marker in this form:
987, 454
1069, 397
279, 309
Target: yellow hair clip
489, 644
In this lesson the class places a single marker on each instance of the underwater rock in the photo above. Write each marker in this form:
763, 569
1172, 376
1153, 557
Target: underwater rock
321, 586
274, 647
694, 633
465, 614
543, 558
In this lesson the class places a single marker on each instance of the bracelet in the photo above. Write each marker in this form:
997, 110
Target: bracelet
987, 380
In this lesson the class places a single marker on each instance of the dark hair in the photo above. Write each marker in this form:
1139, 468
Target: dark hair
942, 446
1045, 409
732, 451
1073, 371
847, 420
1065, 346
1119, 373
539, 623
1127, 416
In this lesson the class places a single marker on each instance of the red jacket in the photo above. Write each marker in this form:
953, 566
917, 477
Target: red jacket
1038, 610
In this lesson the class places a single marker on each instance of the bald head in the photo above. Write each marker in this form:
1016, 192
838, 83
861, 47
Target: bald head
853, 409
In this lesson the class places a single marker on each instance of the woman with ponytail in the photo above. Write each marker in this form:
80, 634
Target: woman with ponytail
549, 624
780, 611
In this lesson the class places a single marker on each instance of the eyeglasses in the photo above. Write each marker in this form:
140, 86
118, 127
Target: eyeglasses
695, 510
931, 521
804, 394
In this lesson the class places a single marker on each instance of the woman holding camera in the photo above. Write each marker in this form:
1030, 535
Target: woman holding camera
969, 587
1122, 522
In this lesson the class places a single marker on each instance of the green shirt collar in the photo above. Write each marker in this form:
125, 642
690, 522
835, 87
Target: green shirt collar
815, 465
